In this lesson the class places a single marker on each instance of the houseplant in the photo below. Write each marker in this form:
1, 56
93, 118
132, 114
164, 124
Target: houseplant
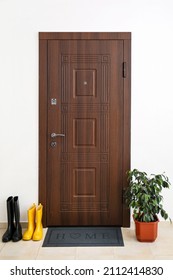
144, 196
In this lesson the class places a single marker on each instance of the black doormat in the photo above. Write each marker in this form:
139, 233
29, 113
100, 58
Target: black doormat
83, 236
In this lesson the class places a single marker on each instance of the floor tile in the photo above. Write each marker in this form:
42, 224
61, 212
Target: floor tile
1, 243
133, 253
163, 257
56, 253
20, 250
161, 249
94, 253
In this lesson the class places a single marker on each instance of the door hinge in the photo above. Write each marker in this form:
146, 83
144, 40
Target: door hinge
124, 69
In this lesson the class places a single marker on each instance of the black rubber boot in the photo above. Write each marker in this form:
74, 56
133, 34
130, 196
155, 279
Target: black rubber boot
10, 216
17, 235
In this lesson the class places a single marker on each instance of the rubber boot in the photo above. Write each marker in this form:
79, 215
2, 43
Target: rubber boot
31, 223
10, 216
17, 235
38, 233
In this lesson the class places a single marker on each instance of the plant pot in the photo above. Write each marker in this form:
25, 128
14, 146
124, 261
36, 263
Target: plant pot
146, 231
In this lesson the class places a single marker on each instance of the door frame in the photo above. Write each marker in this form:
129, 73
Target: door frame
43, 101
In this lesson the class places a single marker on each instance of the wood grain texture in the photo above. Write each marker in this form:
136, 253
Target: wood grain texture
83, 178
84, 35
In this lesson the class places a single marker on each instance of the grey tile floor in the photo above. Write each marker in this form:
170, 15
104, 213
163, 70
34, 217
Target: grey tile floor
161, 249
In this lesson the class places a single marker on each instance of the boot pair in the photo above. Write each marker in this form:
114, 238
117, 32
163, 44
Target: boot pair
35, 228
14, 230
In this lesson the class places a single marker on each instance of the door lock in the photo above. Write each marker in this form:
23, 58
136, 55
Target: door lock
53, 144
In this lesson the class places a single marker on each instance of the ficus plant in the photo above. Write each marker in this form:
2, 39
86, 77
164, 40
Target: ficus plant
144, 195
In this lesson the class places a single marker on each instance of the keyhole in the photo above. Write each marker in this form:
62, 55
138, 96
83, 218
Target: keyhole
53, 144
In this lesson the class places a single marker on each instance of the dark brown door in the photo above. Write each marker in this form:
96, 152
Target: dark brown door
85, 132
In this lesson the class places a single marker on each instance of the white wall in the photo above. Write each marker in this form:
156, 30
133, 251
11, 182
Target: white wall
151, 24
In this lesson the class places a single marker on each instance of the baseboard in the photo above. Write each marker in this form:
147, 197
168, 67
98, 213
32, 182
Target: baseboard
4, 225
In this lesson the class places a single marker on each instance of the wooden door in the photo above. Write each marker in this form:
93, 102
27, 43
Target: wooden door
85, 132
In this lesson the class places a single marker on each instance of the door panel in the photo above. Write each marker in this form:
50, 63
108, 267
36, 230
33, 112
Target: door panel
85, 166
86, 174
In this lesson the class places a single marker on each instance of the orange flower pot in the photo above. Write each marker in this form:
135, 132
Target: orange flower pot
146, 231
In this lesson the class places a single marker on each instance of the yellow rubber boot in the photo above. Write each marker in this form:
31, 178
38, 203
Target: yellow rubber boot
38, 233
31, 223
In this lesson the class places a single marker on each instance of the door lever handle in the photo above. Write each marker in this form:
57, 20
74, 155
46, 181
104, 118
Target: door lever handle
53, 135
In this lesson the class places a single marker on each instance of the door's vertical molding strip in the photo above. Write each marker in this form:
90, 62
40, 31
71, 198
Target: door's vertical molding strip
65, 191
105, 84
104, 183
62, 83
64, 122
64, 79
63, 129
104, 133
63, 93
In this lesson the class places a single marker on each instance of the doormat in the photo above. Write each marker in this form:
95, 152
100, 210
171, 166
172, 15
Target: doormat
83, 236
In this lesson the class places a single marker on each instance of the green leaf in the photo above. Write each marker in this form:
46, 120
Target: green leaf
144, 194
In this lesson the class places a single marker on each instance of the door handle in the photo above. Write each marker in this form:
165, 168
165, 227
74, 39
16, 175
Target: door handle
53, 135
